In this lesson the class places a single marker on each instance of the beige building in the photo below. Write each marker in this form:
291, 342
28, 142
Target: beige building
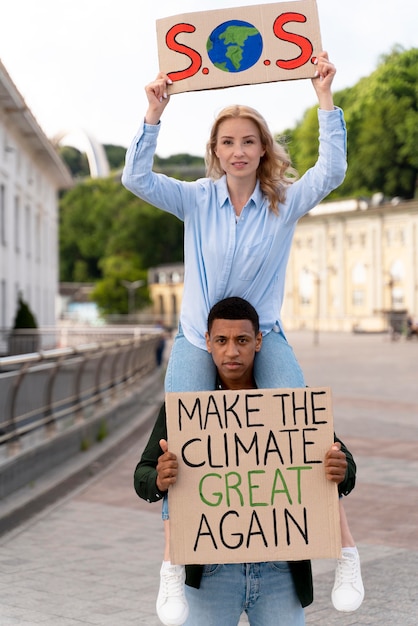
351, 264
165, 284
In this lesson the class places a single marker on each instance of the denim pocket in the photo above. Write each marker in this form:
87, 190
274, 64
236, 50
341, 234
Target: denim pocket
210, 570
279, 566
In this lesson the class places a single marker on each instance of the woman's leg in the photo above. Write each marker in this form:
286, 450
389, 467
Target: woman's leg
171, 605
189, 368
347, 540
275, 365
166, 523
348, 591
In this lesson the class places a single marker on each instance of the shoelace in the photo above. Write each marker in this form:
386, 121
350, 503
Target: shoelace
347, 570
173, 584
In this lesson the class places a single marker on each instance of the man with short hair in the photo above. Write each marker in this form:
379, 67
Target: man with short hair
270, 593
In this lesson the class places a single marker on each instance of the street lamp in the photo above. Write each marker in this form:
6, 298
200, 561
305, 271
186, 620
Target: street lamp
317, 293
317, 281
131, 286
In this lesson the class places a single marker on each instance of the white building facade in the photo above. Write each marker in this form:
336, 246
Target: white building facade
31, 175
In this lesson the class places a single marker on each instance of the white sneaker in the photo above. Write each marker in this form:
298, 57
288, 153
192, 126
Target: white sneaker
348, 591
172, 607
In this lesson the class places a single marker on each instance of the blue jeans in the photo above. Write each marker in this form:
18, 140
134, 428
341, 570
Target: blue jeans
264, 591
192, 369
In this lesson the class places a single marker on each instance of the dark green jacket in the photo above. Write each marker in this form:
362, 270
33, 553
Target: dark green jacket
145, 486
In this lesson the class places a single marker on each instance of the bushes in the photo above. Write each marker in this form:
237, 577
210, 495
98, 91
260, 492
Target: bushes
24, 337
24, 316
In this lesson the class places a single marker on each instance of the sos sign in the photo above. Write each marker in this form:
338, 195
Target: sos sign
240, 46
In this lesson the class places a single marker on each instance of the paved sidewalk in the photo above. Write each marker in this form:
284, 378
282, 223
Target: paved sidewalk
94, 557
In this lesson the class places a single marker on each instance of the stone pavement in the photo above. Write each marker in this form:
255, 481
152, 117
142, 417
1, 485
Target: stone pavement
94, 556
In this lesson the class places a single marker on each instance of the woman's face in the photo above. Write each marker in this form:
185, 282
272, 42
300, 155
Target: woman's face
239, 148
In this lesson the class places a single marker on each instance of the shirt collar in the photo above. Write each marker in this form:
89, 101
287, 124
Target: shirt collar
218, 384
256, 198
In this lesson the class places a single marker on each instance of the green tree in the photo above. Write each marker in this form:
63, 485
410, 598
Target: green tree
107, 234
87, 214
382, 119
115, 156
178, 159
110, 294
78, 164
76, 161
381, 113
155, 236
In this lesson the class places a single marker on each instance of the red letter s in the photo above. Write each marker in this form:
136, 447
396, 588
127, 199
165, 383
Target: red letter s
172, 44
303, 43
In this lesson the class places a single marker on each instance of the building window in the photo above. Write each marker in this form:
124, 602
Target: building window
358, 275
30, 178
17, 224
3, 214
174, 304
397, 297
3, 304
38, 242
28, 231
305, 287
397, 270
358, 297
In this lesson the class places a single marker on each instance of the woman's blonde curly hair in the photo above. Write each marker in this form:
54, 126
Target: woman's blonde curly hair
275, 171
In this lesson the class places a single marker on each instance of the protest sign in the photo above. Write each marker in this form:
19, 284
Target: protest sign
251, 483
239, 46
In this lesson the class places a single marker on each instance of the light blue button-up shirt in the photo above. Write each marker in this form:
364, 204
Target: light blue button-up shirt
224, 257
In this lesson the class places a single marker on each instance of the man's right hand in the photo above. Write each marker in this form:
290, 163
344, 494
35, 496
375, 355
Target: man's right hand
167, 467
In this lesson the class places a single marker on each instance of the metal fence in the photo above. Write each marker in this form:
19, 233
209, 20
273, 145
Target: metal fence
28, 340
45, 392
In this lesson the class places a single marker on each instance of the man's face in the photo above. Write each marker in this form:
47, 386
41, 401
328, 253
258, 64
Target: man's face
233, 344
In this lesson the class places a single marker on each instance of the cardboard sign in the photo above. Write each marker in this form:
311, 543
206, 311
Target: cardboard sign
251, 484
241, 46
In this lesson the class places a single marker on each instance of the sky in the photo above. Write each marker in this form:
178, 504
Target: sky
83, 64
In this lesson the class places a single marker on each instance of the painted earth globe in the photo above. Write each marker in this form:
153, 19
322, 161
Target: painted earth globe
234, 46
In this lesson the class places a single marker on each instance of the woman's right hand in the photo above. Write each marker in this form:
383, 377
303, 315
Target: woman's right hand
157, 98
